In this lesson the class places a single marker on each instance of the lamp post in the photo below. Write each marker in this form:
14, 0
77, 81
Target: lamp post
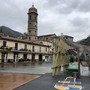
78, 58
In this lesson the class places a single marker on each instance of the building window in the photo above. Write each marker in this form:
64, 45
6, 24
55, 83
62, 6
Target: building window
29, 38
35, 37
4, 43
39, 49
29, 33
35, 25
46, 38
41, 42
25, 56
46, 49
25, 46
35, 17
16, 46
30, 17
33, 48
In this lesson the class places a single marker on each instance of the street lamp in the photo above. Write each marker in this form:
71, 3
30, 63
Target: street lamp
78, 59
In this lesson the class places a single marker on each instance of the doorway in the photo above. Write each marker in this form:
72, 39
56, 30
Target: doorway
33, 57
40, 57
25, 57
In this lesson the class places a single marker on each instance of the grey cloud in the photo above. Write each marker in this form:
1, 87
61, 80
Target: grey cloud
46, 28
85, 6
11, 10
13, 15
52, 3
68, 6
54, 15
80, 24
64, 6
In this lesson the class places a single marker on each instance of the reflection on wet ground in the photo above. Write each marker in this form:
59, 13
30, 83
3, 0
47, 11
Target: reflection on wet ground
12, 76
31, 68
11, 81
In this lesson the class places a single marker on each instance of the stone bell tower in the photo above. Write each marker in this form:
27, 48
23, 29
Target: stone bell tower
32, 23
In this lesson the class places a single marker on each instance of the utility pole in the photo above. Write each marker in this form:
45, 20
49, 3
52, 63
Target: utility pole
78, 64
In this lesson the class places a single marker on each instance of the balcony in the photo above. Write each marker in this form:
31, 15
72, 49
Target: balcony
22, 50
6, 48
12, 49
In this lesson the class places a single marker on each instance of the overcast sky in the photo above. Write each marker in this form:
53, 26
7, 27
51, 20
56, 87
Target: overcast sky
70, 17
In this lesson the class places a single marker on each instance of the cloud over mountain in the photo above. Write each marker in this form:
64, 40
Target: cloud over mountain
71, 17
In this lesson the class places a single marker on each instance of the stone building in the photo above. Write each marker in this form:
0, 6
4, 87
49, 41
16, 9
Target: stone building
16, 50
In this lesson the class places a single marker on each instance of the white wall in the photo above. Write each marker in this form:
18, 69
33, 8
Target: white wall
29, 47
21, 45
36, 48
1, 43
43, 57
36, 56
10, 56
20, 55
10, 44
29, 56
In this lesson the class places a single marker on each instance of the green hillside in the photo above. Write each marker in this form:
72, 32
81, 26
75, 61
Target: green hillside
7, 31
85, 41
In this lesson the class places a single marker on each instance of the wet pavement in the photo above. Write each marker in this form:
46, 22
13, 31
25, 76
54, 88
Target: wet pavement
47, 82
23, 76
11, 81
28, 68
12, 76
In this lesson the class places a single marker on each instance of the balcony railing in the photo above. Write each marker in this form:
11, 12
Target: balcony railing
22, 50
6, 48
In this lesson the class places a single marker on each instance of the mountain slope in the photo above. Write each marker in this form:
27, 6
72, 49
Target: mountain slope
85, 41
7, 31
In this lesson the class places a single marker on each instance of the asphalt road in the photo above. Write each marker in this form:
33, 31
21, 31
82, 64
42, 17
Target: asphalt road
47, 82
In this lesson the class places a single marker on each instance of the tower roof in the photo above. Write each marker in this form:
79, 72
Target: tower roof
32, 9
33, 6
